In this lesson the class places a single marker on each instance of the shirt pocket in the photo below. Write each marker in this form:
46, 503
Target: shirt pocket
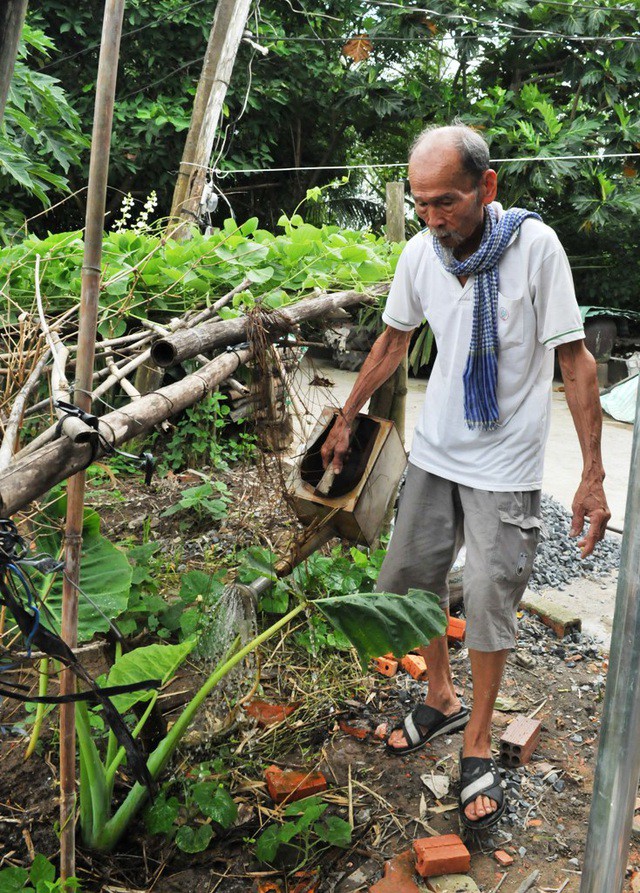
510, 321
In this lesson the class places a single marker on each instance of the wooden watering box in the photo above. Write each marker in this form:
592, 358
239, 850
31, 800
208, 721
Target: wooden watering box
362, 492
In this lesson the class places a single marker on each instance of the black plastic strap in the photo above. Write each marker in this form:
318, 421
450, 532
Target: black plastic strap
92, 697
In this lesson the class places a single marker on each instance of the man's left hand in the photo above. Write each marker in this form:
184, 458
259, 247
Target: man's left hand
590, 502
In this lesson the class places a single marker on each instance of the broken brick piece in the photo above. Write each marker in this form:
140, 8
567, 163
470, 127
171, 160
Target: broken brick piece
304, 882
381, 732
356, 731
268, 714
291, 785
386, 666
519, 741
456, 630
398, 876
415, 666
445, 854
269, 887
503, 858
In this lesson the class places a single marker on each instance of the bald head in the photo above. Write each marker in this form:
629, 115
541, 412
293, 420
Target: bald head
471, 148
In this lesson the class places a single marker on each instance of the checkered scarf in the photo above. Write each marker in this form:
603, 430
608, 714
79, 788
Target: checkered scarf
481, 372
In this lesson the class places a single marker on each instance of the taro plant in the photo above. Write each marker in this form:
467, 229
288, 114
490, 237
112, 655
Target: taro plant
375, 623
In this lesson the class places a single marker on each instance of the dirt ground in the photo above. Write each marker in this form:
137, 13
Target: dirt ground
560, 682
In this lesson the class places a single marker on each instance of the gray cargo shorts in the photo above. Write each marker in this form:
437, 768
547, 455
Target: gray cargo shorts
500, 532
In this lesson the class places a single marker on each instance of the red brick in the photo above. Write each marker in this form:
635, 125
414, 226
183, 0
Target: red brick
456, 630
519, 741
415, 666
503, 858
291, 785
268, 714
399, 876
356, 731
441, 855
386, 666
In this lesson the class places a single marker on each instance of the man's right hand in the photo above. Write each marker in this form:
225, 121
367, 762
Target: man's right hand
336, 446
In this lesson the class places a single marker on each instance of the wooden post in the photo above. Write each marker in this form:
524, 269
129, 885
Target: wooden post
226, 33
91, 268
12, 13
389, 400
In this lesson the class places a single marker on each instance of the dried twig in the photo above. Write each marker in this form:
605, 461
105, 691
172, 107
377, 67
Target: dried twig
12, 427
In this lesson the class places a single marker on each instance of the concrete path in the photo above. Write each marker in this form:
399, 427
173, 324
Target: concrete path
593, 601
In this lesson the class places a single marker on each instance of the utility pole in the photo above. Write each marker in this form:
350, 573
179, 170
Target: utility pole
12, 15
226, 33
615, 785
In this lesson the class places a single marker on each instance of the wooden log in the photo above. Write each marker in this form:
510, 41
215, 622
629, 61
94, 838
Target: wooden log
32, 476
189, 343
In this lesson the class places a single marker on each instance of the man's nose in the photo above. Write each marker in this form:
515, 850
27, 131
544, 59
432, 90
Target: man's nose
434, 218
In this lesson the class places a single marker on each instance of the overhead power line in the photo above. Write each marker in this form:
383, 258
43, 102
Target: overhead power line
353, 167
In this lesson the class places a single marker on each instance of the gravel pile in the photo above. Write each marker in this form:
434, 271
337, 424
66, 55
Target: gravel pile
558, 557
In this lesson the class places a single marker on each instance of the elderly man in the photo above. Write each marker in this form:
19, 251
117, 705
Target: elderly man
496, 289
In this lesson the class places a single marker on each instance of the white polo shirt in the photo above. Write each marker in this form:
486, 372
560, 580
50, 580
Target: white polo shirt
537, 311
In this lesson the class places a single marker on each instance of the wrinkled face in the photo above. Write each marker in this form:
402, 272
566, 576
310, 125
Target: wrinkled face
448, 200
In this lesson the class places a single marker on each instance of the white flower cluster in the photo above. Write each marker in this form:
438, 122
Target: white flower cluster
143, 218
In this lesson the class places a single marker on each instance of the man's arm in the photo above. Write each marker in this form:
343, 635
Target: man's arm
384, 358
578, 369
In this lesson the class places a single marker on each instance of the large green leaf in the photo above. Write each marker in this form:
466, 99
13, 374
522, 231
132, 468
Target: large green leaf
105, 580
379, 622
150, 662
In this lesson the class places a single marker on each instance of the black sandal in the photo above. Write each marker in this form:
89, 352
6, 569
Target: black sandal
432, 721
480, 777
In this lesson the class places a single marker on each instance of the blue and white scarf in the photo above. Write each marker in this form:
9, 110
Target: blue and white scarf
481, 372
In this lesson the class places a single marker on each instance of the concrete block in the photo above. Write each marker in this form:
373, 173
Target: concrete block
445, 854
519, 741
452, 883
291, 785
560, 620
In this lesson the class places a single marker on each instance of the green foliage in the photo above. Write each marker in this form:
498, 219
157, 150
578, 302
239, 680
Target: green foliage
306, 829
148, 276
40, 136
190, 820
39, 878
198, 439
208, 501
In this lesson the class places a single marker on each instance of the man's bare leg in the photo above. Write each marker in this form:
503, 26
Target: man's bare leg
441, 694
486, 671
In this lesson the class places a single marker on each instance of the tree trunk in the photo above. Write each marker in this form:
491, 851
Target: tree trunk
12, 14
224, 40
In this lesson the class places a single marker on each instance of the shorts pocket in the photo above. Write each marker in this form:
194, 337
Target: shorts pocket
510, 321
516, 542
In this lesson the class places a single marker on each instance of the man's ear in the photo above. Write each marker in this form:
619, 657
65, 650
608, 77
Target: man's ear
489, 186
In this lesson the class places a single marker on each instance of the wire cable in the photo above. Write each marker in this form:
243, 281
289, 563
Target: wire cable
222, 174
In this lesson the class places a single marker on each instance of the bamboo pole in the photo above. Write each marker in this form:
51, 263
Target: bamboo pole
32, 475
188, 343
91, 269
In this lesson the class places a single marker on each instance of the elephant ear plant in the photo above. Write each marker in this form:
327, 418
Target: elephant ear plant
375, 623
